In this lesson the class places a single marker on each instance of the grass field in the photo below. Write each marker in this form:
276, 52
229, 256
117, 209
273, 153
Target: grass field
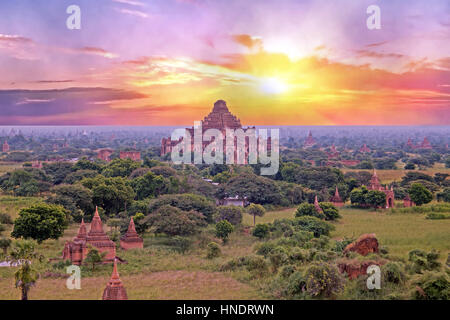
7, 167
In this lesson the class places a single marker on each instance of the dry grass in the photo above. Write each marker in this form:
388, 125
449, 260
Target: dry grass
8, 167
156, 286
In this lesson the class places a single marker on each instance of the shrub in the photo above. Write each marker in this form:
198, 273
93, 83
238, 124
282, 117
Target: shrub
420, 261
330, 211
419, 194
323, 280
297, 284
261, 231
181, 244
223, 230
437, 216
307, 209
5, 218
302, 237
265, 248
286, 271
255, 264
393, 272
314, 225
432, 286
278, 257
232, 214
213, 250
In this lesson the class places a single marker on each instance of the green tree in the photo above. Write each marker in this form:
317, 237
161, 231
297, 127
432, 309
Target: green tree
173, 221
323, 279
5, 243
120, 168
74, 198
94, 257
232, 214
255, 210
308, 209
223, 230
22, 254
330, 211
375, 199
261, 231
40, 222
213, 250
149, 185
419, 194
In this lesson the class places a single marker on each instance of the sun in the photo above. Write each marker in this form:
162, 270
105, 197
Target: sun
273, 86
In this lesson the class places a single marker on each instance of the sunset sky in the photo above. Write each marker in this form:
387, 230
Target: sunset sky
280, 62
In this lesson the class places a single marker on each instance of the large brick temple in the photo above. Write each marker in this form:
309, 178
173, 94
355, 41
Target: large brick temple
77, 249
220, 118
376, 185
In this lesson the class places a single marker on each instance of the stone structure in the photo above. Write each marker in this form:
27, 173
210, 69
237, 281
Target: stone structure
317, 206
133, 155
336, 199
364, 149
104, 154
37, 164
114, 289
98, 238
424, 145
221, 119
364, 245
407, 202
376, 185
310, 141
77, 249
333, 152
5, 147
131, 240
233, 201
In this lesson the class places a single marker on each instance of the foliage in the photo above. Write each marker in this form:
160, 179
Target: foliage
182, 244
313, 225
419, 194
174, 221
364, 198
308, 209
149, 185
261, 231
420, 261
223, 230
232, 214
185, 202
120, 168
5, 218
40, 222
74, 198
323, 279
432, 286
255, 210
94, 257
393, 272
5, 243
213, 250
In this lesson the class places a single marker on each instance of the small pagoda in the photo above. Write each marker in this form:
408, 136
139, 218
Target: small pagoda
336, 199
76, 250
114, 289
317, 206
98, 238
131, 240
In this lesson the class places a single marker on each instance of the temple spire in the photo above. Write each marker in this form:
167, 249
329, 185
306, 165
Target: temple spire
115, 273
131, 226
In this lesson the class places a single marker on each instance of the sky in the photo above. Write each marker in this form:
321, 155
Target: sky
280, 62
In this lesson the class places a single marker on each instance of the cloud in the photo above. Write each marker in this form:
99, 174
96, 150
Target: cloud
135, 13
90, 51
131, 3
248, 41
18, 47
373, 54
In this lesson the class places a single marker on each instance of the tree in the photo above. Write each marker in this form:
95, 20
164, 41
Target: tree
444, 195
213, 250
5, 243
256, 210
323, 279
58, 171
308, 209
40, 222
232, 214
94, 257
375, 199
26, 276
74, 198
261, 231
176, 222
330, 211
149, 185
120, 168
419, 194
223, 230
410, 166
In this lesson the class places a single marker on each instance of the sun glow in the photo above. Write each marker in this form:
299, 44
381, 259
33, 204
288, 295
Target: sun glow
273, 86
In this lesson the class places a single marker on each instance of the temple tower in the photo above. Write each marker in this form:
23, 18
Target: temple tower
131, 240
98, 238
114, 289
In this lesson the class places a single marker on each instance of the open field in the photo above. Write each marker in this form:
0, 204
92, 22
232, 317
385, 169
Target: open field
7, 167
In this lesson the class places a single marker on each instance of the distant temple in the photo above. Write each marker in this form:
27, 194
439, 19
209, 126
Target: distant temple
333, 152
310, 141
131, 240
5, 147
133, 155
407, 202
336, 199
77, 249
104, 154
317, 206
376, 185
424, 145
221, 119
114, 289
364, 149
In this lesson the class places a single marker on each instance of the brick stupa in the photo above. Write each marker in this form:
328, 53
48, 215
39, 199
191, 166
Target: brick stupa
131, 240
75, 250
336, 199
98, 238
317, 206
114, 289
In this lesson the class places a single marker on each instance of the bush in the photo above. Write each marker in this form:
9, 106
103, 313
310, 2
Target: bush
330, 211
278, 257
437, 216
307, 209
5, 218
323, 280
286, 271
421, 261
182, 244
232, 214
419, 194
255, 264
393, 272
296, 284
261, 231
213, 250
432, 286
223, 230
314, 225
